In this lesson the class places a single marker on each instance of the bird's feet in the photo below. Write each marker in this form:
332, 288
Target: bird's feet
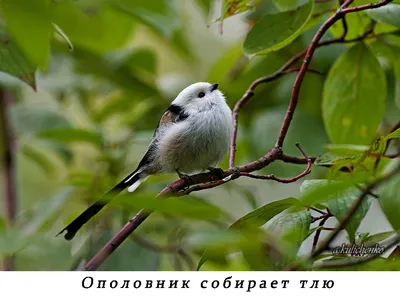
218, 172
185, 177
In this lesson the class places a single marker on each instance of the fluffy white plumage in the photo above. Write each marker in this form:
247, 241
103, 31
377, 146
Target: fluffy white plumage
193, 135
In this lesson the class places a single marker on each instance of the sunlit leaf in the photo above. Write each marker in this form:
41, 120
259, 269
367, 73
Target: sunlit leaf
29, 23
389, 199
389, 14
275, 31
71, 135
354, 97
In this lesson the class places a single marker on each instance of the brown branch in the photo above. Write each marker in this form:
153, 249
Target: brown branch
318, 233
246, 97
10, 198
282, 180
233, 173
300, 76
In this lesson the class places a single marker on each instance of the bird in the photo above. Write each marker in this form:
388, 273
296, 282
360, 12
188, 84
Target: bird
193, 135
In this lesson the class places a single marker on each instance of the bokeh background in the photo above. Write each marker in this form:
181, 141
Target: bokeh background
95, 109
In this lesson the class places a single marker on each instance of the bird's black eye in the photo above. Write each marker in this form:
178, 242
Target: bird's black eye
201, 95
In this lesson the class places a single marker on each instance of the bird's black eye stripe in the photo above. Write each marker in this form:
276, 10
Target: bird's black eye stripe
201, 95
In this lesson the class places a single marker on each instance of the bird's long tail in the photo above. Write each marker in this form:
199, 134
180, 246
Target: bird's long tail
132, 181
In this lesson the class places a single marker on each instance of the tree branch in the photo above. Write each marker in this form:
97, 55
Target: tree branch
10, 199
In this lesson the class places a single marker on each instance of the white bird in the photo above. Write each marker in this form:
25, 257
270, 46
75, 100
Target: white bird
193, 135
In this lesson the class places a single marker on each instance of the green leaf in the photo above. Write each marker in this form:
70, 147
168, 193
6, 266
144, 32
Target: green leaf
354, 97
342, 149
286, 4
46, 210
262, 215
389, 200
338, 197
220, 243
396, 67
14, 62
186, 207
29, 23
30, 118
275, 31
379, 237
13, 240
40, 156
317, 191
142, 260
161, 15
142, 59
340, 205
71, 135
114, 71
234, 7
292, 229
388, 14
101, 30
358, 23
256, 218
206, 5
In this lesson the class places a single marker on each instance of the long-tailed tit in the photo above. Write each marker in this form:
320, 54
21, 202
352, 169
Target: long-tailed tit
193, 135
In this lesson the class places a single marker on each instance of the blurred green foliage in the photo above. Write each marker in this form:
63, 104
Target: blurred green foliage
90, 79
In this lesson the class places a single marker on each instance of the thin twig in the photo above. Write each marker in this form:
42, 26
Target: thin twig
282, 180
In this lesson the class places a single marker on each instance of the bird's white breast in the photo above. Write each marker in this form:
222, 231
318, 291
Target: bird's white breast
199, 142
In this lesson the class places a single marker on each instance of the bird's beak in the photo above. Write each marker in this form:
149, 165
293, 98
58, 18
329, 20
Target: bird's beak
214, 87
